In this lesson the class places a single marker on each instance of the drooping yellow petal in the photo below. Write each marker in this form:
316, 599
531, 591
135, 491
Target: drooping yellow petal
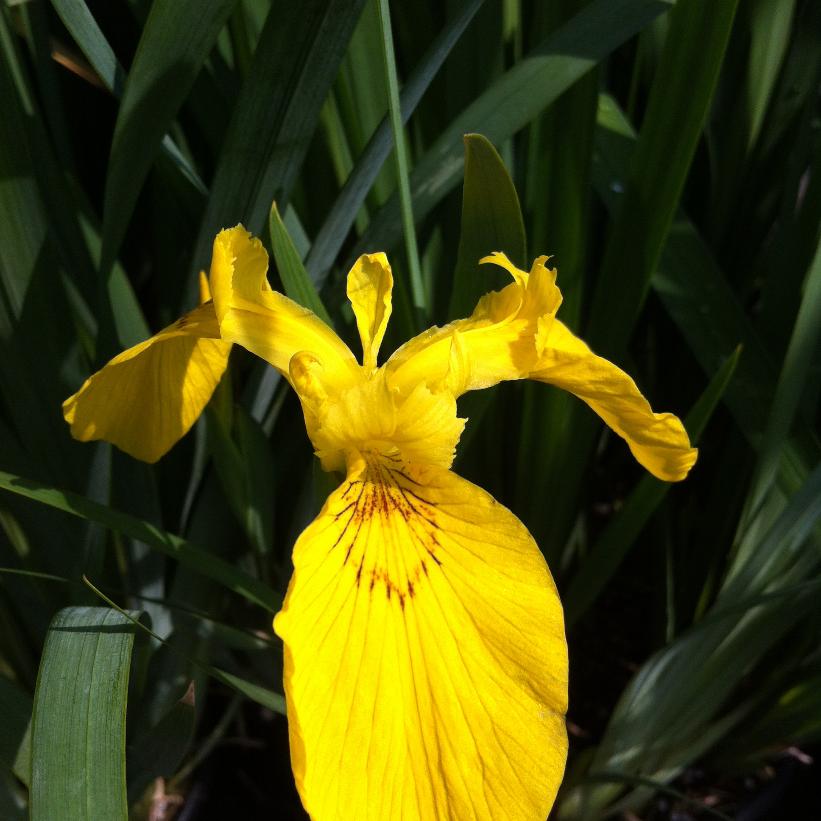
499, 341
266, 322
148, 397
370, 283
657, 440
425, 658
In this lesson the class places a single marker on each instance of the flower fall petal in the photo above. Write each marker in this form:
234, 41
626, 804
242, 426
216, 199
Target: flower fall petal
499, 339
425, 657
657, 440
147, 397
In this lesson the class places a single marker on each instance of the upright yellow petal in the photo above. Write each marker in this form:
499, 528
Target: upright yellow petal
370, 283
657, 440
499, 341
239, 255
266, 322
205, 288
148, 397
425, 658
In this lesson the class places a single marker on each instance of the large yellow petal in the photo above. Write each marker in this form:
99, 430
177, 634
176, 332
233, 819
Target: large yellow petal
370, 283
425, 658
148, 397
499, 341
657, 440
266, 322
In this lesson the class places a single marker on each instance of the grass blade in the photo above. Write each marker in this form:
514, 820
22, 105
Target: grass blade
83, 28
262, 695
800, 359
159, 750
770, 35
15, 712
78, 733
679, 102
420, 299
696, 294
173, 546
176, 40
343, 214
87, 34
276, 114
491, 221
511, 102
616, 540
295, 279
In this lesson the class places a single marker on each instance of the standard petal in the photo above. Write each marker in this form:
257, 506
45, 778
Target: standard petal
236, 254
657, 440
370, 283
148, 397
266, 322
500, 340
425, 657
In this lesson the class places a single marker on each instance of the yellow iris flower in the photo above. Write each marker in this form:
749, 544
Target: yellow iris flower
425, 656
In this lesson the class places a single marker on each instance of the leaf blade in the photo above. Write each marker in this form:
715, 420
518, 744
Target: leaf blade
187, 554
78, 735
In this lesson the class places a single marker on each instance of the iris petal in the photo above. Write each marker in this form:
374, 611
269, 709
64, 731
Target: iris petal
370, 283
498, 340
266, 322
425, 658
657, 440
148, 397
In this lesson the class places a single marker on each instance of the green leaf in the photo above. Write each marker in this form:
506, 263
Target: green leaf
78, 733
676, 707
276, 113
421, 300
159, 751
182, 551
619, 536
87, 34
15, 713
679, 102
770, 37
511, 102
682, 90
701, 302
83, 28
795, 715
31, 292
801, 357
176, 40
295, 279
242, 455
338, 223
491, 221
261, 695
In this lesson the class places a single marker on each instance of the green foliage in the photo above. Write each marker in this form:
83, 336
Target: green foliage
78, 723
666, 154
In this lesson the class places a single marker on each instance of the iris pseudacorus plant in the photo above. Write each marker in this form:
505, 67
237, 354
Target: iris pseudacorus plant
425, 655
